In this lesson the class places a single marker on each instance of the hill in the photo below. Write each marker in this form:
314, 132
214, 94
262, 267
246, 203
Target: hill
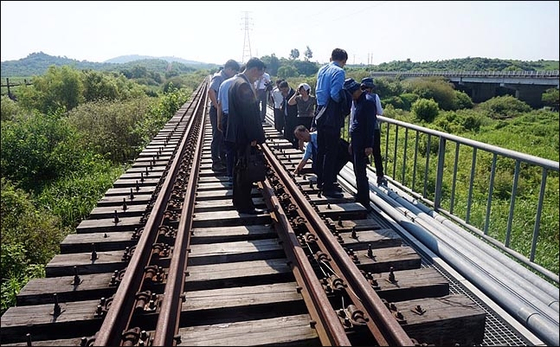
134, 57
36, 64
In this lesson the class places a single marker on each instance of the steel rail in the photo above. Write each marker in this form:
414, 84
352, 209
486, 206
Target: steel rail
382, 324
120, 312
328, 327
168, 321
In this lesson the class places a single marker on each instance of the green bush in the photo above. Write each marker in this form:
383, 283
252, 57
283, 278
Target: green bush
425, 110
110, 126
502, 107
33, 231
9, 109
408, 99
551, 98
72, 198
395, 101
59, 89
435, 88
38, 148
463, 100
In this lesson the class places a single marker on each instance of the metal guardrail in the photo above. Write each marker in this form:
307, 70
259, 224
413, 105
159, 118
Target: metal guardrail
553, 74
434, 182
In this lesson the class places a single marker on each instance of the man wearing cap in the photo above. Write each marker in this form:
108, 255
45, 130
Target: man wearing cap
368, 86
361, 137
329, 119
305, 105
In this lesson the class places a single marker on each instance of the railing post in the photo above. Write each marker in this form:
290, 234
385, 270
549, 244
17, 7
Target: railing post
439, 173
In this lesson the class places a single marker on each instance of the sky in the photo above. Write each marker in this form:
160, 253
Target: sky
372, 32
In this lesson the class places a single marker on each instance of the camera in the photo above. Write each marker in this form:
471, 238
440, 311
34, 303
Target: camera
268, 86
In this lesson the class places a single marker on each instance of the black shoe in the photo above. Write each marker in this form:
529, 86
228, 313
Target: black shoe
253, 211
337, 188
367, 206
381, 181
333, 194
218, 167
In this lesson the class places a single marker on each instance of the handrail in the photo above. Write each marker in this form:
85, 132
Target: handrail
552, 74
438, 185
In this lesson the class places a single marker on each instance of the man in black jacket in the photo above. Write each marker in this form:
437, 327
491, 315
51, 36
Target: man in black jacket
361, 135
290, 113
244, 129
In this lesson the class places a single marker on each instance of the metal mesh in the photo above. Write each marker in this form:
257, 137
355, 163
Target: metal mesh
497, 331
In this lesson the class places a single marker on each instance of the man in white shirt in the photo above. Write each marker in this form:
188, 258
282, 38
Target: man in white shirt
261, 87
277, 98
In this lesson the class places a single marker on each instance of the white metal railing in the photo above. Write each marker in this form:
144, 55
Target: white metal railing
408, 151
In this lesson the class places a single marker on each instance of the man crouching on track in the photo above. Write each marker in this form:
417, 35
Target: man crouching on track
244, 129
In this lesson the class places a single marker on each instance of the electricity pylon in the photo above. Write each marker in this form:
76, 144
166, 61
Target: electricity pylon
246, 41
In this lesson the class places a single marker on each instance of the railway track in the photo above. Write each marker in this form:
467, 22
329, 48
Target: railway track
164, 259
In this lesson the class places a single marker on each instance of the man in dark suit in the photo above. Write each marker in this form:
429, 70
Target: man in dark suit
244, 129
290, 113
361, 134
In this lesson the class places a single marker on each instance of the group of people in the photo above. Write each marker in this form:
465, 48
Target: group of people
338, 97
292, 108
238, 106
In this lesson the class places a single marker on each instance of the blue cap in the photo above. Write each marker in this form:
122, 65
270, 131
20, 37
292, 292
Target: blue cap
350, 85
368, 83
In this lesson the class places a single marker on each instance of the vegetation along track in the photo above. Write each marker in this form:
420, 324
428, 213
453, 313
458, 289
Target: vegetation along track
164, 259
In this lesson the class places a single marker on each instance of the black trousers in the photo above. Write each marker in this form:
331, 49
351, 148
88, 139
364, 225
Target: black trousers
360, 160
279, 120
377, 159
291, 122
242, 200
216, 146
327, 152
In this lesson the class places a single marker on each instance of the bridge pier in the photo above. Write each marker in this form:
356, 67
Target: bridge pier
483, 91
532, 95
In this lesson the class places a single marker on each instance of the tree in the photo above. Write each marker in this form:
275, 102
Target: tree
551, 98
272, 63
426, 110
308, 53
306, 67
60, 88
294, 54
286, 71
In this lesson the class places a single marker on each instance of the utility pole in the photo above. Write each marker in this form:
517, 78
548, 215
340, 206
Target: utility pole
246, 41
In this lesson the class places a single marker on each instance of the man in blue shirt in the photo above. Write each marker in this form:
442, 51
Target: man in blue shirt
329, 119
361, 135
231, 67
223, 113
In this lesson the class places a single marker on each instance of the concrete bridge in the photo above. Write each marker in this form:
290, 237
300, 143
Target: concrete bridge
527, 86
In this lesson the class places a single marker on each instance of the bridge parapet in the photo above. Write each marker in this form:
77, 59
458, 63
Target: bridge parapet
553, 74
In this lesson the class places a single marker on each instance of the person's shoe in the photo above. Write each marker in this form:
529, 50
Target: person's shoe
253, 211
333, 194
381, 181
337, 188
218, 167
367, 206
